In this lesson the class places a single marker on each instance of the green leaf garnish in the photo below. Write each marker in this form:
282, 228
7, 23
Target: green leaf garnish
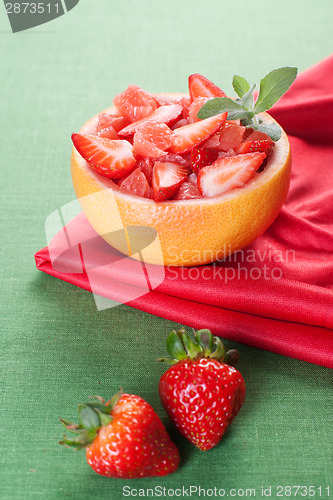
245, 108
248, 99
271, 129
240, 85
221, 104
273, 86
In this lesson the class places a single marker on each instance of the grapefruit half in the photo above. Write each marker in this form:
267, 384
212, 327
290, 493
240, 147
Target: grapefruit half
183, 232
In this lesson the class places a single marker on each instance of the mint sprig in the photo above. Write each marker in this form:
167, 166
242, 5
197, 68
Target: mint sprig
245, 108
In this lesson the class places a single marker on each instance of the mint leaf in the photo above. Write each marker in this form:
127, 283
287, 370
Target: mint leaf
220, 105
240, 85
273, 86
271, 129
248, 98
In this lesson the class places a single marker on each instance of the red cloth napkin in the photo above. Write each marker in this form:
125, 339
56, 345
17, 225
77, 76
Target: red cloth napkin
277, 293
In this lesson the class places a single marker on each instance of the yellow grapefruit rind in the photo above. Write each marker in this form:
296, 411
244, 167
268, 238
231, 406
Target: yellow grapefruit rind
190, 232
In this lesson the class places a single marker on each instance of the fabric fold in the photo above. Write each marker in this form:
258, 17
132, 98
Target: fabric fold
277, 293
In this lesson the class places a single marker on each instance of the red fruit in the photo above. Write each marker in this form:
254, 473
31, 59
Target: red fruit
188, 190
200, 157
146, 166
112, 159
152, 139
194, 108
231, 135
256, 141
201, 393
163, 114
166, 98
195, 133
136, 183
135, 103
180, 123
108, 133
167, 177
228, 173
252, 146
106, 120
123, 438
200, 86
182, 160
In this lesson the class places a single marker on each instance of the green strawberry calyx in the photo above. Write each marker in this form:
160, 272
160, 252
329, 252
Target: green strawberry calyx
92, 416
204, 345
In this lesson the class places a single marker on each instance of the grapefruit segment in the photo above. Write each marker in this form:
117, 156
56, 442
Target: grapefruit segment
108, 133
163, 114
135, 103
194, 108
109, 120
152, 139
188, 190
136, 183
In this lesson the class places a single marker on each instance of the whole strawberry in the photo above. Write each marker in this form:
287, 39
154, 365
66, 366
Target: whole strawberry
201, 392
123, 438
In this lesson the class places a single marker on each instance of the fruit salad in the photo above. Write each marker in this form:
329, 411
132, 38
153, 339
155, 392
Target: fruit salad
155, 145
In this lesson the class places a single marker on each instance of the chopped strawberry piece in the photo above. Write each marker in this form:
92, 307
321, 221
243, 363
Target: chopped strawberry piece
193, 110
163, 114
112, 159
200, 86
188, 190
136, 183
106, 120
228, 173
152, 139
135, 103
251, 146
167, 177
146, 166
256, 135
201, 157
195, 133
256, 141
108, 132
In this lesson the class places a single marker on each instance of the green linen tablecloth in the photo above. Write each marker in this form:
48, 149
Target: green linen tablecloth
56, 348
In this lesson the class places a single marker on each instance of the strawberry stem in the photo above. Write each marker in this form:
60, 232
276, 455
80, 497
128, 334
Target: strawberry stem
92, 416
204, 345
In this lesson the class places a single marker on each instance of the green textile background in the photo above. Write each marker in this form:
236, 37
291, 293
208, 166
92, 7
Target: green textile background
56, 348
